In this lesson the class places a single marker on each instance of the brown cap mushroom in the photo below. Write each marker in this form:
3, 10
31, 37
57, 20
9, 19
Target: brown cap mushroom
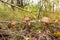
45, 20
13, 23
27, 18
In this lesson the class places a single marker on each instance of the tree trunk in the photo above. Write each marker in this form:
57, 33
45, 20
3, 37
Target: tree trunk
20, 3
12, 2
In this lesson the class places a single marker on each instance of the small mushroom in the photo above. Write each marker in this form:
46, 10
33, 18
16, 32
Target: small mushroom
27, 19
45, 20
11, 24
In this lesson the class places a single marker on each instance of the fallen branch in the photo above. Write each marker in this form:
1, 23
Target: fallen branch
16, 6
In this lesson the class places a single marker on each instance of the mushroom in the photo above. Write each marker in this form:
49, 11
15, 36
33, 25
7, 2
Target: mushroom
27, 19
12, 24
27, 24
45, 20
45, 23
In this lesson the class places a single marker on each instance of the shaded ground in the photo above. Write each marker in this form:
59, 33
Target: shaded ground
18, 32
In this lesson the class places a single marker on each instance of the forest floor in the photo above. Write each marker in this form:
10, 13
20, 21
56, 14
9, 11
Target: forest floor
28, 30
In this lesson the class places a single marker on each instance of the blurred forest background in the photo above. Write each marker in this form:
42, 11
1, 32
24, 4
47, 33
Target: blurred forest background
30, 19
32, 8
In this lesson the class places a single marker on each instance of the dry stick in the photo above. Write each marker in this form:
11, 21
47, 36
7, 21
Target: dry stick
3, 37
12, 33
33, 21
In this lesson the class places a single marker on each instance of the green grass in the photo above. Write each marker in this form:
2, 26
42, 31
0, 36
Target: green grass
7, 13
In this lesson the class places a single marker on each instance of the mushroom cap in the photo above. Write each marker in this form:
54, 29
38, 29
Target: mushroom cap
13, 23
45, 20
27, 18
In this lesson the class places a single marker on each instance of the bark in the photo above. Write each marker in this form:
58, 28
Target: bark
12, 2
20, 3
